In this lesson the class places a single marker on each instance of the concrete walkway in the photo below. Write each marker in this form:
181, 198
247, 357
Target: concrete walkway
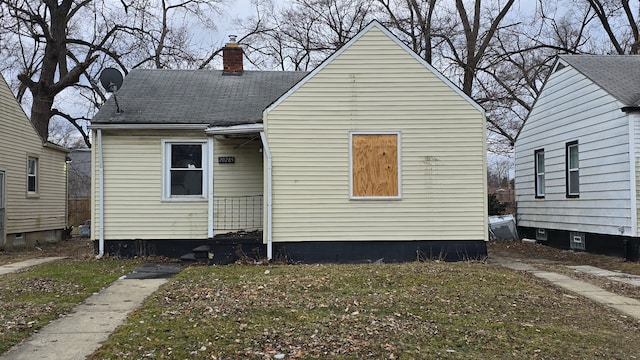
626, 305
11, 268
80, 333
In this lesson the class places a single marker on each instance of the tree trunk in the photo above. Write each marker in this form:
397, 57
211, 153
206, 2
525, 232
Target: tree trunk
41, 113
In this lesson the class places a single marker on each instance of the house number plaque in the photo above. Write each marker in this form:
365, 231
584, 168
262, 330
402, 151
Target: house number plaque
226, 159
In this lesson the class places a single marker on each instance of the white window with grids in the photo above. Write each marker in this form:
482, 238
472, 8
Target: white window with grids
573, 170
184, 170
32, 175
539, 169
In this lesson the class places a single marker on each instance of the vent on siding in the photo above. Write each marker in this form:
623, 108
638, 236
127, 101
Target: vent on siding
576, 241
541, 234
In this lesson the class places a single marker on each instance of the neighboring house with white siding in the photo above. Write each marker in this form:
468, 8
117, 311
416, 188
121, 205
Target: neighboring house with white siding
374, 154
576, 159
32, 180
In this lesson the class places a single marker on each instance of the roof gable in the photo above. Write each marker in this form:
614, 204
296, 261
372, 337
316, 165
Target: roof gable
376, 25
618, 75
10, 107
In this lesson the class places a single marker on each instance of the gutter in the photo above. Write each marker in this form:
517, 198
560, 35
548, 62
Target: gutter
234, 129
56, 147
148, 126
267, 153
630, 109
632, 118
101, 196
632, 115
210, 229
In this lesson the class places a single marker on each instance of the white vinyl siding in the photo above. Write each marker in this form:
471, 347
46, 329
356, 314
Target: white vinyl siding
134, 205
375, 85
634, 128
24, 213
572, 108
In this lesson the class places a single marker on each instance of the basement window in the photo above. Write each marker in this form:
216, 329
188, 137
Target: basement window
374, 165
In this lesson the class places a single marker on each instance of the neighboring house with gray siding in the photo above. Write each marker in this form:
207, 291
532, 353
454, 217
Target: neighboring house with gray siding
32, 180
576, 159
354, 161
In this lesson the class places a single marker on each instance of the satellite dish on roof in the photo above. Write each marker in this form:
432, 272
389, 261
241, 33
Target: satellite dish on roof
111, 79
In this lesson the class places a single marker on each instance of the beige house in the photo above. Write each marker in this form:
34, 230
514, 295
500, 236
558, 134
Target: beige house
32, 180
372, 155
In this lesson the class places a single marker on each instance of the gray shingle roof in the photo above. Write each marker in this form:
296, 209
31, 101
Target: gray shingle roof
619, 75
196, 97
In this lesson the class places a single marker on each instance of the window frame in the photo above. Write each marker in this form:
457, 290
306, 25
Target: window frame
166, 169
35, 176
539, 177
571, 172
398, 135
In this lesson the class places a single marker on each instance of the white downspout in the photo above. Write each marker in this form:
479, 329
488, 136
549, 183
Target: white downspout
267, 153
101, 197
210, 229
633, 118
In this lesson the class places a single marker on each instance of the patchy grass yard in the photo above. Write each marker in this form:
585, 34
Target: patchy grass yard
33, 297
542, 254
75, 248
390, 311
556, 260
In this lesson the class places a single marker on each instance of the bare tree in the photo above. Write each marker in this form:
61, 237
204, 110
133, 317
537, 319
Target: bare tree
521, 58
478, 32
416, 22
459, 39
58, 48
42, 30
498, 171
300, 36
618, 22
64, 134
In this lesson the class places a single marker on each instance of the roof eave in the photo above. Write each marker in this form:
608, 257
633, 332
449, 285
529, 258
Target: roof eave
235, 129
56, 147
631, 109
172, 126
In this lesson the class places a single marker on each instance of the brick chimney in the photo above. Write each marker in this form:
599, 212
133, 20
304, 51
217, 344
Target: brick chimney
232, 57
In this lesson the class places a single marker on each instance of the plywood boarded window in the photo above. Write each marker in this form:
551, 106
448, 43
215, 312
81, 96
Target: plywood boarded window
375, 166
